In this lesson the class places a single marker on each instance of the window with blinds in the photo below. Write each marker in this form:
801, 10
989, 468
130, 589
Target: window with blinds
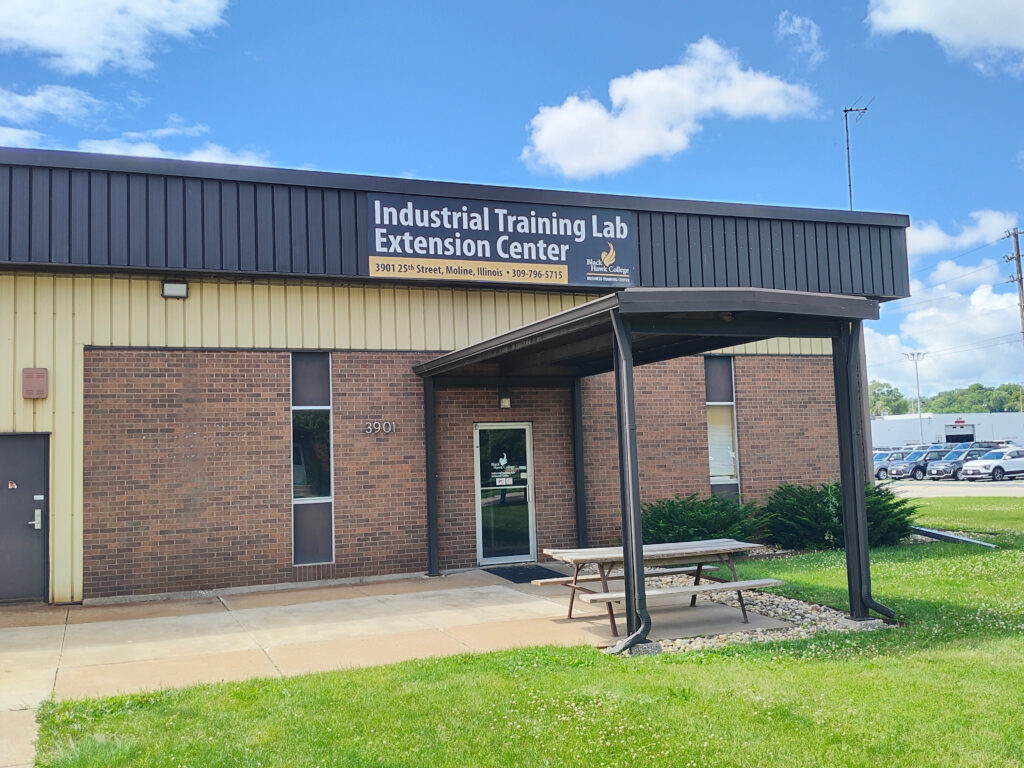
723, 458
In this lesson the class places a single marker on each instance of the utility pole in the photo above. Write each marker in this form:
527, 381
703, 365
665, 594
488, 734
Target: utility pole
846, 123
1019, 280
915, 358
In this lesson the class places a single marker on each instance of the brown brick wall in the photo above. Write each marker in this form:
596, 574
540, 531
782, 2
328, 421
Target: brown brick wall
550, 414
672, 440
187, 470
188, 477
786, 422
380, 507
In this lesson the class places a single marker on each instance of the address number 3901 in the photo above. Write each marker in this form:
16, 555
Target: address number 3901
376, 427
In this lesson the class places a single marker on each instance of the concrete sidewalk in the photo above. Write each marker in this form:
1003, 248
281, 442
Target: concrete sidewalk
80, 651
929, 489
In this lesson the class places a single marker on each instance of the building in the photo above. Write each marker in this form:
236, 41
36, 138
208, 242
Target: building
215, 376
911, 428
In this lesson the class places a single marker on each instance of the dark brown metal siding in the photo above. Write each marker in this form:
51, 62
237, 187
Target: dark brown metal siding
131, 219
98, 218
678, 250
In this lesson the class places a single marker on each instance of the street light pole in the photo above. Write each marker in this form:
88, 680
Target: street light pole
917, 357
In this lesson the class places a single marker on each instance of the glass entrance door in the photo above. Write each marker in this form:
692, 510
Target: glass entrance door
505, 526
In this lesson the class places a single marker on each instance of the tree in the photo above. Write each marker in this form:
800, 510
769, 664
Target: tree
885, 399
976, 398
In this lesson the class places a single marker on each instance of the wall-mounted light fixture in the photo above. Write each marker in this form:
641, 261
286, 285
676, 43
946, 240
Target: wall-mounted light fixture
174, 290
504, 398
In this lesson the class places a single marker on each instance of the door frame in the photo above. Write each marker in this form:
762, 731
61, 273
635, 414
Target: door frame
530, 499
47, 492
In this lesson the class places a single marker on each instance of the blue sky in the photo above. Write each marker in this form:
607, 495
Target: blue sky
731, 101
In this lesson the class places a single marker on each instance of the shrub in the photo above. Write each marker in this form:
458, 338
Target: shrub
808, 517
803, 517
691, 519
889, 516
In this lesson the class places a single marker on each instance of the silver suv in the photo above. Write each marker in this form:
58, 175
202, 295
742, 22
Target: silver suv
883, 459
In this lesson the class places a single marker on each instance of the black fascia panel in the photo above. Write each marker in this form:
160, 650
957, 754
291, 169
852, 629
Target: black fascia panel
327, 180
182, 216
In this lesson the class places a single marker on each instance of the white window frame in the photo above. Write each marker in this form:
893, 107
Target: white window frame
530, 495
735, 428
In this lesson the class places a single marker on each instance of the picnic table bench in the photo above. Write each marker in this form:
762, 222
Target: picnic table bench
696, 557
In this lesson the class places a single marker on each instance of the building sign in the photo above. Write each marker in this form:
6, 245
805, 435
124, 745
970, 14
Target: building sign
436, 238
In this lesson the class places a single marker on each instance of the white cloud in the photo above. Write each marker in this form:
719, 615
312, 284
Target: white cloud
966, 337
208, 153
19, 137
964, 277
656, 112
807, 34
60, 101
988, 33
79, 37
175, 126
928, 237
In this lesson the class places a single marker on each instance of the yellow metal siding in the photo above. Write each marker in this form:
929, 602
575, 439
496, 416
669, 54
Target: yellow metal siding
46, 321
780, 346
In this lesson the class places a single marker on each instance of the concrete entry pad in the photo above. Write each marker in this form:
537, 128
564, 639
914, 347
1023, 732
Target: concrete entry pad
97, 650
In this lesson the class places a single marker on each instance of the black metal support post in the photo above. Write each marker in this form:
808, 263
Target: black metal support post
579, 490
846, 362
865, 410
430, 444
638, 621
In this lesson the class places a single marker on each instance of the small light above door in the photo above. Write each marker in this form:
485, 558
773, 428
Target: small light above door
174, 290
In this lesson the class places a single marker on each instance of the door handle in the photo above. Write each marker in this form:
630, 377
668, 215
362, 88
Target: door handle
37, 521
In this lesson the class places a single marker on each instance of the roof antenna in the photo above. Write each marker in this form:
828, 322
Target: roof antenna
861, 111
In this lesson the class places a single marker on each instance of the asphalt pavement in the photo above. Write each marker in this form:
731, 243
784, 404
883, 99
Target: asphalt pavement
927, 489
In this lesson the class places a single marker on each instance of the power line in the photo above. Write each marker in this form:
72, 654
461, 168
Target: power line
961, 276
991, 341
903, 305
960, 255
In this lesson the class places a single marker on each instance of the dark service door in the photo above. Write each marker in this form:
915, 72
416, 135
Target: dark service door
23, 517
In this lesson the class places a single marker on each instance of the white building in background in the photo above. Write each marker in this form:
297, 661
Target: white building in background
946, 428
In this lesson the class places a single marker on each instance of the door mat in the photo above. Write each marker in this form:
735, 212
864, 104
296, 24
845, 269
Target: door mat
524, 574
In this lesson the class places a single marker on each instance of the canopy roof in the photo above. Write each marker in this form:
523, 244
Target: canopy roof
664, 323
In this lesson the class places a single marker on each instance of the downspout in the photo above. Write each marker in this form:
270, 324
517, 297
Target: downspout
629, 491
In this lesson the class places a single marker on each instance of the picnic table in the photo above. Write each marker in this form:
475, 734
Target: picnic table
690, 557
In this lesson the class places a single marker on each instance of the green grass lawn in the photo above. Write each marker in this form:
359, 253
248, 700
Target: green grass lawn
946, 689
981, 514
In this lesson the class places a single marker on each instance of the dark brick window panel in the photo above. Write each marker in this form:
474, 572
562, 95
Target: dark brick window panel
312, 477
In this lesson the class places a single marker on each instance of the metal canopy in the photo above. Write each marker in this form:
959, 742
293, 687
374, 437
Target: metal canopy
646, 325
664, 323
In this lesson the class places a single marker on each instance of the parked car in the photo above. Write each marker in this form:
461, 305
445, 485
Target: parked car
915, 465
952, 463
883, 459
995, 465
990, 445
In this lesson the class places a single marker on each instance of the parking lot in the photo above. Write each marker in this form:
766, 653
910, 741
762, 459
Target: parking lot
926, 489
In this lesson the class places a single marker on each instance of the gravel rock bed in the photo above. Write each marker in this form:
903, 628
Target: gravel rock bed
808, 618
